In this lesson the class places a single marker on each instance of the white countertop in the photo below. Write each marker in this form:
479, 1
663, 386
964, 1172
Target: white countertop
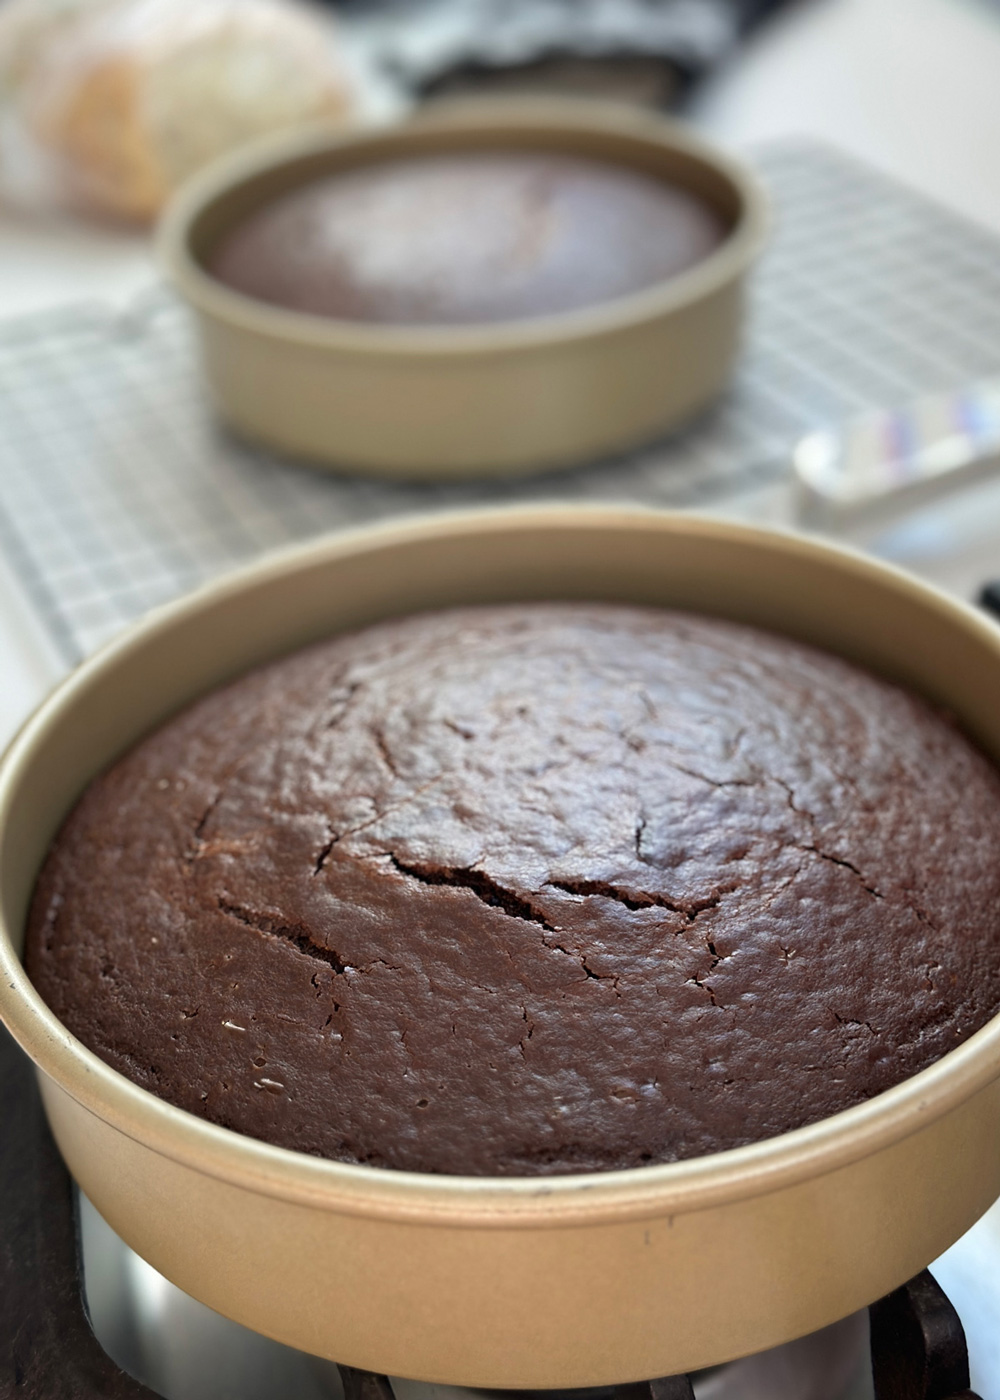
912, 86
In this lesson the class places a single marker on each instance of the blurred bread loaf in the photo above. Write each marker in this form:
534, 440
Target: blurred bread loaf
120, 100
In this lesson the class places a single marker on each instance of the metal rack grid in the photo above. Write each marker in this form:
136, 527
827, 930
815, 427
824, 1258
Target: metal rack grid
118, 489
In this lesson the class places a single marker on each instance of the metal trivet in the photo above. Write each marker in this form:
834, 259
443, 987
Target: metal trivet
48, 1351
118, 491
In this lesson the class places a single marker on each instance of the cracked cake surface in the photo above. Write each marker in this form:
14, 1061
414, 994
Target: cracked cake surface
530, 889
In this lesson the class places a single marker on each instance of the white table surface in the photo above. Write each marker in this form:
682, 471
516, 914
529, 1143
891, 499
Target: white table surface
912, 86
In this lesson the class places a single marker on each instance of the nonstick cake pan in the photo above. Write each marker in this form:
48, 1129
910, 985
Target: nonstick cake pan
477, 400
551, 1282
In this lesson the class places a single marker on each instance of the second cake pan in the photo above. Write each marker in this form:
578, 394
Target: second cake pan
453, 401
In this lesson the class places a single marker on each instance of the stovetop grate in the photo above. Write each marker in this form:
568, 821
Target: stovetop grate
118, 491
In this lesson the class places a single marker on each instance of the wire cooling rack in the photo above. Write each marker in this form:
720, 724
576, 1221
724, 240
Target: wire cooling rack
119, 490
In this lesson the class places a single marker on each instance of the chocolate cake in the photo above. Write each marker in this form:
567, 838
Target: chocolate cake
530, 889
462, 238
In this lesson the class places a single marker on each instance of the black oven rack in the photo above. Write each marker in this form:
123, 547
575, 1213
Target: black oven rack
118, 490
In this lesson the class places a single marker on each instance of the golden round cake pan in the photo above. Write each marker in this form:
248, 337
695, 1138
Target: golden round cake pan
452, 401
512, 1282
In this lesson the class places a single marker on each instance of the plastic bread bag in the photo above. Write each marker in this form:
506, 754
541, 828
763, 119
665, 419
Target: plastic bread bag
107, 105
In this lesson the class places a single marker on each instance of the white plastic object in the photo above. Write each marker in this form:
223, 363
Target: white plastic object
888, 459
